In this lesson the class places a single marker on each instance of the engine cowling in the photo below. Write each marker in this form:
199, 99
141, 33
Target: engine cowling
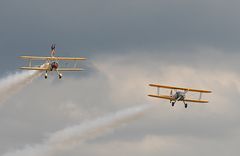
54, 65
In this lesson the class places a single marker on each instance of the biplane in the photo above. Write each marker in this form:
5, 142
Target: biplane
178, 94
51, 63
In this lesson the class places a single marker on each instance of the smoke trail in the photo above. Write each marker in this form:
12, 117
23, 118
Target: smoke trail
14, 82
72, 136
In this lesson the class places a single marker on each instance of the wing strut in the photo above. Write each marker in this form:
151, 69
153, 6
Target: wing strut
75, 64
200, 96
30, 63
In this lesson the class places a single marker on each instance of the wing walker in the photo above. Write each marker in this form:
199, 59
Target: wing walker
51, 63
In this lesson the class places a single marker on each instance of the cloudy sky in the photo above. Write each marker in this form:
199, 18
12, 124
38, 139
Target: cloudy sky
128, 43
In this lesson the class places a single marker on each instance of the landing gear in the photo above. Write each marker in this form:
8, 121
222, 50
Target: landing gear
59, 76
173, 104
46, 75
185, 105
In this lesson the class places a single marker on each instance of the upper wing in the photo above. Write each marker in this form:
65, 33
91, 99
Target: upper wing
52, 58
179, 88
69, 58
35, 57
162, 97
70, 69
196, 101
34, 68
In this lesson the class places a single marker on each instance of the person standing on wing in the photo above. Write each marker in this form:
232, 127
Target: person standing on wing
53, 51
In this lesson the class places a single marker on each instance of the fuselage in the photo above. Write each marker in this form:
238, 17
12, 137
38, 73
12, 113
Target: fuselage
52, 66
179, 96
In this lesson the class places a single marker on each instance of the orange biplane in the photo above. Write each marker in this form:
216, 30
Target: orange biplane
179, 94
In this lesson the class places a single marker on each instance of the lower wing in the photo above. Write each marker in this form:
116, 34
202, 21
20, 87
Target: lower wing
196, 101
70, 69
172, 99
44, 69
34, 68
162, 97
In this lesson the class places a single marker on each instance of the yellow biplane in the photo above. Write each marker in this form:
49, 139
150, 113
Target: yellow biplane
178, 94
51, 63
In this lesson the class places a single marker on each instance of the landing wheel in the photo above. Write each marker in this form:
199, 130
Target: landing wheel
173, 104
45, 76
60, 76
185, 105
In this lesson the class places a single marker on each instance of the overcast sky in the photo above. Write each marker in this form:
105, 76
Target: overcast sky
128, 43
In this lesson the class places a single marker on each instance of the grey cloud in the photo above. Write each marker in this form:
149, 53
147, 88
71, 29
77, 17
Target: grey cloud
120, 25
46, 107
129, 44
88, 28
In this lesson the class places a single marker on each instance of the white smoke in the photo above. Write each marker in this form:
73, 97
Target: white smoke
14, 82
72, 136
